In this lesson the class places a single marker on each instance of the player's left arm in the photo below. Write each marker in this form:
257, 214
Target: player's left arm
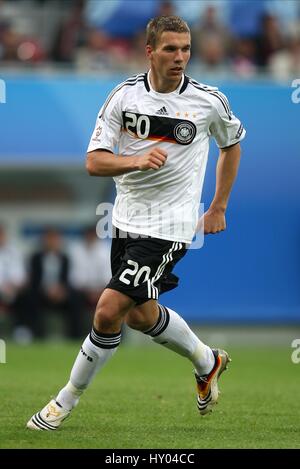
228, 131
226, 172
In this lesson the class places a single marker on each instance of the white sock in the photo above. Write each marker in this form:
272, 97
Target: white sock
172, 332
95, 351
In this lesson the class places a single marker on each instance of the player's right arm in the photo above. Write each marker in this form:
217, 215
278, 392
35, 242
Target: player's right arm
101, 157
104, 163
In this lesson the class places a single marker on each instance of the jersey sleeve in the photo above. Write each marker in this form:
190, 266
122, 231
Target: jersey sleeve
225, 127
107, 130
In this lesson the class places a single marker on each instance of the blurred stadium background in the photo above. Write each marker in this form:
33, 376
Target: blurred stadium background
58, 61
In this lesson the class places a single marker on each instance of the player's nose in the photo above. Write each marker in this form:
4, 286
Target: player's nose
178, 57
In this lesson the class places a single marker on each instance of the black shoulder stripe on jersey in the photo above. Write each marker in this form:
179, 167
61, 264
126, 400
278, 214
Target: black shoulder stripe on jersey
184, 84
130, 82
147, 86
210, 89
216, 94
227, 108
221, 97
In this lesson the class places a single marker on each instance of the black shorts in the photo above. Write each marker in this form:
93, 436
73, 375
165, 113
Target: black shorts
141, 266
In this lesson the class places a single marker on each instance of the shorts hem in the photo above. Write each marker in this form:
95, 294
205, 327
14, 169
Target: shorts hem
138, 301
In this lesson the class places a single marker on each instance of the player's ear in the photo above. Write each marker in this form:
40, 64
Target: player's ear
149, 50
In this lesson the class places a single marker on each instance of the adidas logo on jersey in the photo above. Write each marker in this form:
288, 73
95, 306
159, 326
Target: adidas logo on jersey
162, 111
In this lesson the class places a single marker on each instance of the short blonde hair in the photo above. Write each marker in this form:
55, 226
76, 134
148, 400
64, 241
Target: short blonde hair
160, 24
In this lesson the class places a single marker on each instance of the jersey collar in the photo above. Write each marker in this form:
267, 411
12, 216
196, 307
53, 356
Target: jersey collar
181, 88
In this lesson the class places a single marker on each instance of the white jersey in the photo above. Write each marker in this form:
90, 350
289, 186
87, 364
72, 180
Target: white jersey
163, 203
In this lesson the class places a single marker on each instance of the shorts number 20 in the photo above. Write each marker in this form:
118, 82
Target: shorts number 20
136, 273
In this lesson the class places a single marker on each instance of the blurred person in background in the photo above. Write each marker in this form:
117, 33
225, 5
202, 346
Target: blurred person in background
270, 39
90, 266
93, 54
285, 63
192, 11
69, 34
137, 59
9, 43
152, 136
287, 12
210, 24
12, 273
49, 289
212, 55
244, 57
100, 52
15, 47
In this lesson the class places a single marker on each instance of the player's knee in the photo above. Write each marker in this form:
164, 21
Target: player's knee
135, 320
110, 312
105, 316
104, 320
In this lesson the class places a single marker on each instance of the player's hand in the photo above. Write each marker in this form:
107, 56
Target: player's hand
214, 221
154, 159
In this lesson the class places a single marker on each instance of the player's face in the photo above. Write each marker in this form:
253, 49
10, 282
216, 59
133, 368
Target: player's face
171, 55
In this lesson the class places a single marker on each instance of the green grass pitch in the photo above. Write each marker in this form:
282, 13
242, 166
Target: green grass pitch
145, 398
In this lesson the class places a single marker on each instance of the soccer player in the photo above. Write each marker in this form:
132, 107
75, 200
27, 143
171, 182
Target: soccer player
161, 122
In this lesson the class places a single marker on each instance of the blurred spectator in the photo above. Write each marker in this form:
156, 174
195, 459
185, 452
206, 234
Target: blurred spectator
15, 47
93, 54
192, 11
287, 12
100, 52
211, 40
49, 289
10, 42
90, 271
30, 51
244, 57
270, 39
212, 52
69, 34
285, 64
166, 8
12, 272
138, 60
